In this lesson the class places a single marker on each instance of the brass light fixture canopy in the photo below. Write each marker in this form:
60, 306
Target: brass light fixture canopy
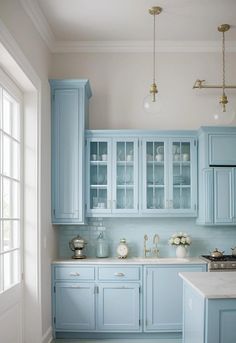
200, 83
155, 10
223, 28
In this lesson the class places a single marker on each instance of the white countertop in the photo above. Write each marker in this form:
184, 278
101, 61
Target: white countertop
212, 285
134, 260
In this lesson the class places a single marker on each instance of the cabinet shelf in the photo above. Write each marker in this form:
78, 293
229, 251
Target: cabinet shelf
124, 163
98, 162
181, 186
98, 186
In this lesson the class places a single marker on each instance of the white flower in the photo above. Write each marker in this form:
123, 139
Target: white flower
188, 240
177, 240
180, 238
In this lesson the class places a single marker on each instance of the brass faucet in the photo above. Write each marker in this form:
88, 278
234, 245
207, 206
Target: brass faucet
154, 251
156, 239
145, 250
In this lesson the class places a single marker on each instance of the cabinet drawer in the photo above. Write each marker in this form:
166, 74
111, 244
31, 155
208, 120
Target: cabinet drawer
119, 273
74, 273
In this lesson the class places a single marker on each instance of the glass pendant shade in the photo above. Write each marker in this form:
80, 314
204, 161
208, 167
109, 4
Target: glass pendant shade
150, 106
223, 118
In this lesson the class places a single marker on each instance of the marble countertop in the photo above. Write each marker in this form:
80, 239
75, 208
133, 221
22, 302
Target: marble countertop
134, 260
213, 285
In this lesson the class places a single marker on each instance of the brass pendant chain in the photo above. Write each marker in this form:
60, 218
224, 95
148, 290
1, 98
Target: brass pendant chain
154, 48
223, 60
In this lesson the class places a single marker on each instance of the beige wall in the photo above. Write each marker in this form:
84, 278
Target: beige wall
120, 81
29, 41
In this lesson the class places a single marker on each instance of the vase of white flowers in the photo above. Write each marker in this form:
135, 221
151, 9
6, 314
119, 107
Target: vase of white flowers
181, 241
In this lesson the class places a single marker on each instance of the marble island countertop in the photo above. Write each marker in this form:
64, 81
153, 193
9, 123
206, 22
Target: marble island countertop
133, 260
215, 285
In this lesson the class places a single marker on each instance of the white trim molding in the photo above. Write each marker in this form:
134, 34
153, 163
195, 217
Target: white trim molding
38, 18
138, 46
47, 337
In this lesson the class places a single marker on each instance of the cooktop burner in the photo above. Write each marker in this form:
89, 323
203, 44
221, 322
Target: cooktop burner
222, 258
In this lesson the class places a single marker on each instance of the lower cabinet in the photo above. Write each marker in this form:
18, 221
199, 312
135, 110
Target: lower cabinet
118, 298
163, 297
75, 306
118, 307
109, 302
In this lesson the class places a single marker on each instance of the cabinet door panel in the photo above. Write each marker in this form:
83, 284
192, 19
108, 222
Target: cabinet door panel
98, 176
75, 306
223, 199
155, 175
125, 175
222, 149
164, 297
183, 176
118, 307
64, 153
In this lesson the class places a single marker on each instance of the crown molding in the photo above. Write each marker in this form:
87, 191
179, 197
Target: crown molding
139, 46
39, 20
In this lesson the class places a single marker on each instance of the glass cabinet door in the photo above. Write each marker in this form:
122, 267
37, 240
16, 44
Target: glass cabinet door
154, 153
98, 178
182, 157
125, 176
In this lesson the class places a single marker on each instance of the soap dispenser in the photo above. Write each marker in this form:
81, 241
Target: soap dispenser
102, 246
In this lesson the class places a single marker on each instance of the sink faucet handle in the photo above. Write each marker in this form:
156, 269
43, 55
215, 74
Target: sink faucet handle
156, 239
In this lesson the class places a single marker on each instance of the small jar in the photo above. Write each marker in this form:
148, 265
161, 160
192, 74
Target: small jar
102, 246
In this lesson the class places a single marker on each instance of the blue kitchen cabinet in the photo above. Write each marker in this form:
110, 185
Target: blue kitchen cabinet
216, 182
69, 116
119, 307
96, 298
163, 297
112, 175
217, 205
119, 298
74, 306
169, 176
207, 320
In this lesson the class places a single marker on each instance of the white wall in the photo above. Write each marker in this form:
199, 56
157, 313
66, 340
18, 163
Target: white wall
120, 82
34, 49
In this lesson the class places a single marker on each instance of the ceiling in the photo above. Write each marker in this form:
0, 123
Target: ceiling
72, 24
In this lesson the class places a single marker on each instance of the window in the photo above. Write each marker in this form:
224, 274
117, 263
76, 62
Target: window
10, 189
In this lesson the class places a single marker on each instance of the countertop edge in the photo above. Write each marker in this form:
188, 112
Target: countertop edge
130, 261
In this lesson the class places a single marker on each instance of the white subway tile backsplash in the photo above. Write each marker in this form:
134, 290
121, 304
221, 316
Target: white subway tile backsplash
134, 229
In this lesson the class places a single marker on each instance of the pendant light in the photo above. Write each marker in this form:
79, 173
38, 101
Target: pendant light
151, 102
224, 112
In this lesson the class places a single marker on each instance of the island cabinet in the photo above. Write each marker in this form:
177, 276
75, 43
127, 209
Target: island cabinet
69, 100
163, 297
209, 310
133, 173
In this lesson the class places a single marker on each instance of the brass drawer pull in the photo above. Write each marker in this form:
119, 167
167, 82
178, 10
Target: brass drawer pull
75, 274
119, 274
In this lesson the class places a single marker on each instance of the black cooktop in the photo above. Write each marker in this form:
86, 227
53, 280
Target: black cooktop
222, 258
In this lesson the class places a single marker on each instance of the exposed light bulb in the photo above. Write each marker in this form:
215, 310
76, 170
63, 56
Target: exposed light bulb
152, 106
222, 117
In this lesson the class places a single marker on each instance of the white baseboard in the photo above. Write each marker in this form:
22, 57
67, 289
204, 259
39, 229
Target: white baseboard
47, 337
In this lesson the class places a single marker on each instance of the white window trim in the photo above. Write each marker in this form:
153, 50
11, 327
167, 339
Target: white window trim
15, 94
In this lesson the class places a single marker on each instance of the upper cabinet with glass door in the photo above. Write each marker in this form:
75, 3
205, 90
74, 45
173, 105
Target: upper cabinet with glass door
154, 175
125, 176
99, 176
169, 176
183, 176
112, 176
